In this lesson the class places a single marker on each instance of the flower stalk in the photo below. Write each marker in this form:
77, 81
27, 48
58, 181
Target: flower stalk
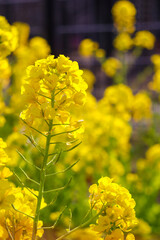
42, 181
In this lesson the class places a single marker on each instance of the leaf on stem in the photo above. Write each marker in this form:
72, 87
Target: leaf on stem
33, 128
51, 203
31, 139
54, 160
21, 155
24, 184
21, 212
63, 171
56, 134
60, 188
26, 175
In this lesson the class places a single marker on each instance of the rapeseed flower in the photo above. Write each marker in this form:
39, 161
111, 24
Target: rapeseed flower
111, 66
51, 88
116, 207
124, 12
123, 42
9, 38
89, 78
144, 39
87, 47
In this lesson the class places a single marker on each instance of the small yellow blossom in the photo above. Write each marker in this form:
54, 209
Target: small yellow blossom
23, 32
155, 83
144, 39
100, 53
124, 16
87, 47
89, 78
52, 87
142, 106
9, 38
130, 236
117, 206
123, 42
115, 235
5, 73
155, 59
111, 66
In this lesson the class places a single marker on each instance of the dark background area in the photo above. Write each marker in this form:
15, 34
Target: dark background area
64, 23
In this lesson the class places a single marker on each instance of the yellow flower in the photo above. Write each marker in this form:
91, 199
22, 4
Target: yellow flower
51, 89
118, 100
6, 196
40, 47
144, 39
19, 225
155, 59
124, 16
142, 228
111, 66
9, 38
87, 47
142, 106
23, 32
5, 72
115, 235
2, 143
155, 84
153, 153
100, 53
130, 236
117, 206
123, 42
3, 233
4, 159
89, 78
5, 172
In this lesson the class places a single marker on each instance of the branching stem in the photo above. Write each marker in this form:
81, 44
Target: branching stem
42, 181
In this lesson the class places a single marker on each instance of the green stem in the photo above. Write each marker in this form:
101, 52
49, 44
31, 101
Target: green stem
42, 181
42, 175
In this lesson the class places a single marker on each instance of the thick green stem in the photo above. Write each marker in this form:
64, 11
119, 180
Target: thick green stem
42, 181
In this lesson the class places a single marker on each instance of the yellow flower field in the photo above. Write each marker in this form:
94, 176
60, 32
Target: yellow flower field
73, 166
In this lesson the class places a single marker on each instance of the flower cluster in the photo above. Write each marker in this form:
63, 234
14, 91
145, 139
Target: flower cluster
123, 42
16, 205
51, 88
144, 39
110, 141
89, 78
124, 13
5, 73
120, 101
2, 109
111, 66
115, 206
109, 118
155, 84
9, 39
88, 48
4, 160
27, 52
